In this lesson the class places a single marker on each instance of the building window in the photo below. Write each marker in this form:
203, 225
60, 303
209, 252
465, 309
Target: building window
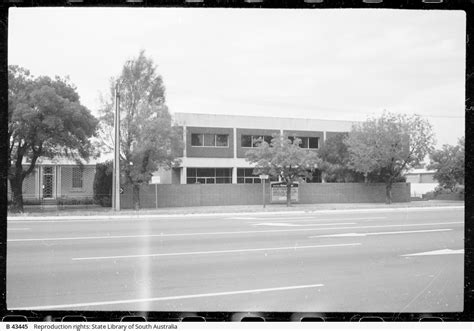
76, 177
253, 141
222, 140
307, 142
209, 175
197, 140
246, 176
209, 140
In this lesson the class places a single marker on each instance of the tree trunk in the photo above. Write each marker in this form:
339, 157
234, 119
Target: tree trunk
16, 185
388, 192
136, 196
288, 194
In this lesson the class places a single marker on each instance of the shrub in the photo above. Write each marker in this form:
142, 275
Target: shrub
103, 184
444, 193
75, 201
31, 202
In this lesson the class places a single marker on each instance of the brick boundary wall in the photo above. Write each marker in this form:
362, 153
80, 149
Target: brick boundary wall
189, 195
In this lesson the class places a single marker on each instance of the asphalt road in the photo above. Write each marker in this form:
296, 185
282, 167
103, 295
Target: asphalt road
408, 260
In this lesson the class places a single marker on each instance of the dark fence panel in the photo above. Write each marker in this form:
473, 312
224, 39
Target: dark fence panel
351, 192
170, 195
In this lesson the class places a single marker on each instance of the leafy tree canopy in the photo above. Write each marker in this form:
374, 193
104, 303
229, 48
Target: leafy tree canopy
389, 145
283, 158
45, 118
335, 160
148, 138
449, 165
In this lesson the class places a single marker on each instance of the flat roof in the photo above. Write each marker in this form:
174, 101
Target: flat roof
261, 122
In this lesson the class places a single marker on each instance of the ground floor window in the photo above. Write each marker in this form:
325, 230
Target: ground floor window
246, 176
77, 177
209, 175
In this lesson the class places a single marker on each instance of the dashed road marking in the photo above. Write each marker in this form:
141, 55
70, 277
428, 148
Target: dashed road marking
230, 251
376, 233
292, 224
226, 232
315, 219
438, 252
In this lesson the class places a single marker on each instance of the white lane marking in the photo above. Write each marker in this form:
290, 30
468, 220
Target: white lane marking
176, 297
313, 219
18, 229
211, 252
376, 233
292, 224
276, 224
146, 218
438, 252
128, 217
226, 232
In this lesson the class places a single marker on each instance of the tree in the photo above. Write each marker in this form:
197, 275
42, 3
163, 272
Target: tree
388, 146
45, 118
335, 161
449, 165
283, 158
148, 140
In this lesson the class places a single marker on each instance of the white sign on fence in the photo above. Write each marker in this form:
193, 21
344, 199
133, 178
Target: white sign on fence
155, 180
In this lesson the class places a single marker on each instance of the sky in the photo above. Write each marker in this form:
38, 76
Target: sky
342, 64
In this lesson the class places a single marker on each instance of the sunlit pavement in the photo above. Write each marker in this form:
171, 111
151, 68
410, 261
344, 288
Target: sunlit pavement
357, 261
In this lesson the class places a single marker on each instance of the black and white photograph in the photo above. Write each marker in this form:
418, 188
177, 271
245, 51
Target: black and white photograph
236, 160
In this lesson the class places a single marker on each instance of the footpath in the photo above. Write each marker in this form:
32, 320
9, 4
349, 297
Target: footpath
52, 212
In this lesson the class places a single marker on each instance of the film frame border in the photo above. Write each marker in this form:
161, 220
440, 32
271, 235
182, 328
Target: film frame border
121, 316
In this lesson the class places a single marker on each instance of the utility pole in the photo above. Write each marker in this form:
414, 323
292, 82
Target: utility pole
116, 173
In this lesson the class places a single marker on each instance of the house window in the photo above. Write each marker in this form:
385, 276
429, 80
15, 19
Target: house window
254, 141
209, 140
307, 142
209, 175
246, 176
76, 177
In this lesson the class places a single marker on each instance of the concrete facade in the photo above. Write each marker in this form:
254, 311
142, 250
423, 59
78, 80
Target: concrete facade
237, 129
203, 151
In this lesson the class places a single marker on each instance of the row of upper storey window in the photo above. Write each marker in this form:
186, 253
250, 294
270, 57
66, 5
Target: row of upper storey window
222, 140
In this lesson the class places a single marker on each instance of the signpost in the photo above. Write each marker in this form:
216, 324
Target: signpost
156, 180
263, 178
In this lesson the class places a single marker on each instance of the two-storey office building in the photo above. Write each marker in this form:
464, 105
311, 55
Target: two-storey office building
215, 145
